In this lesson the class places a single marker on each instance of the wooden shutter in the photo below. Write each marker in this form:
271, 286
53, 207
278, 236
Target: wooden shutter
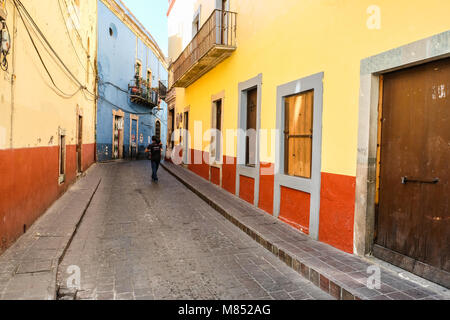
299, 134
252, 108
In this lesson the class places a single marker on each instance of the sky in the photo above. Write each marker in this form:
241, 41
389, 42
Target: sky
153, 15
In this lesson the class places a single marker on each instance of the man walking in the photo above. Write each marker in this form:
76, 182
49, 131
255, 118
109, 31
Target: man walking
155, 150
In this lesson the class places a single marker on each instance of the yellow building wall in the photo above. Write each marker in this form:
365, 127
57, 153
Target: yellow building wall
37, 111
286, 40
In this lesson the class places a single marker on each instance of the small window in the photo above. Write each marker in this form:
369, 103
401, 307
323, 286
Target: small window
196, 24
250, 145
171, 129
149, 78
299, 134
112, 31
216, 142
138, 69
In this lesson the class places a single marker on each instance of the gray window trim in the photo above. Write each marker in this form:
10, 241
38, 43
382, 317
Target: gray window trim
426, 50
241, 169
311, 186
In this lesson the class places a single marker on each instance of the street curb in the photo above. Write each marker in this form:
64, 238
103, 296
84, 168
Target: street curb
69, 242
48, 226
322, 281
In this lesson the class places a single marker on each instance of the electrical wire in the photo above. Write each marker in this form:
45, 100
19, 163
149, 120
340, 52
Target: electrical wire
125, 110
18, 3
66, 95
76, 30
71, 42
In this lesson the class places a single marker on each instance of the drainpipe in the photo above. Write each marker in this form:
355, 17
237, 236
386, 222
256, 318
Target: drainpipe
96, 82
13, 75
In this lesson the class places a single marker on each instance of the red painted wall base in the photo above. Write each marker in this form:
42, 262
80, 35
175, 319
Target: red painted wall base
247, 189
337, 211
29, 185
266, 187
295, 208
336, 207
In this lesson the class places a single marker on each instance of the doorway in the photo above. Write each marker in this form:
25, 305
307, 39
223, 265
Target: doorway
80, 144
216, 146
412, 222
134, 145
250, 144
186, 137
158, 129
225, 22
118, 138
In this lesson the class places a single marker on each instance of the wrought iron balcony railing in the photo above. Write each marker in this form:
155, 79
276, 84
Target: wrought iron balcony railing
162, 90
140, 92
214, 42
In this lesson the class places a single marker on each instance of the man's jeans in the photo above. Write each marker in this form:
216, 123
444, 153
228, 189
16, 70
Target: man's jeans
155, 167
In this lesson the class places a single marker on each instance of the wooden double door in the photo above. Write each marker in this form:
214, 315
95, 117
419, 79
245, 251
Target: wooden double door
413, 218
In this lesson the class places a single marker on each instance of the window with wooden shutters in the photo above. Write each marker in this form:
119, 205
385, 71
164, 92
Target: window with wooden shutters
216, 139
299, 134
252, 108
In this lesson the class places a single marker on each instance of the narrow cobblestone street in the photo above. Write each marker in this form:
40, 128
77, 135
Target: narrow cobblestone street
140, 240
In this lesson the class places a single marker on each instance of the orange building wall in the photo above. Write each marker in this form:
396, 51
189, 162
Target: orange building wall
295, 208
29, 185
229, 174
337, 208
215, 176
247, 189
266, 187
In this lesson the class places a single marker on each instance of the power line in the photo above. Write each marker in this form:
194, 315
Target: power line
31, 20
67, 95
71, 42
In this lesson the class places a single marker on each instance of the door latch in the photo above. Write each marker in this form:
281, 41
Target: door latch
406, 180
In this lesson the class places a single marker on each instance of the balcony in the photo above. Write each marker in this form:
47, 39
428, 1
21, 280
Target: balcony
141, 93
213, 43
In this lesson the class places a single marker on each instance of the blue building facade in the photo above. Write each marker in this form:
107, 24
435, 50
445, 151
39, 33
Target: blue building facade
132, 77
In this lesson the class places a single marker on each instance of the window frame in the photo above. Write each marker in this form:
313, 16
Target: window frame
138, 63
196, 22
158, 122
149, 78
311, 186
286, 136
241, 168
62, 156
216, 146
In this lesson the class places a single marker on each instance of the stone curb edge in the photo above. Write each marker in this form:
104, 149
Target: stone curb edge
70, 239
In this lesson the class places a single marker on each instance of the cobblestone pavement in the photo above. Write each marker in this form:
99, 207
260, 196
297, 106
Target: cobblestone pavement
140, 240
